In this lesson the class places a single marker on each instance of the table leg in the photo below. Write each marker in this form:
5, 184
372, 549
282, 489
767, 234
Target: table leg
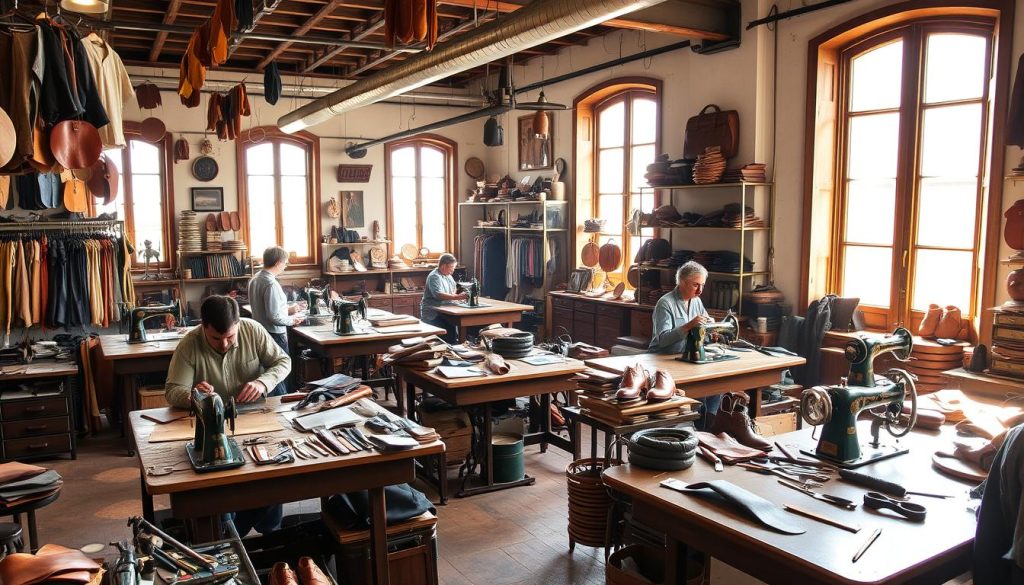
32, 536
379, 537
593, 443
545, 420
675, 560
147, 501
410, 397
488, 447
607, 448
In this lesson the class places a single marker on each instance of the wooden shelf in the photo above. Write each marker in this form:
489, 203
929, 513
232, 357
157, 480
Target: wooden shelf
712, 228
358, 273
1012, 261
209, 252
515, 229
709, 186
161, 282
215, 279
554, 201
359, 243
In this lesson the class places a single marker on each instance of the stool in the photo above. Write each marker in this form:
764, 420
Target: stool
10, 538
412, 550
29, 508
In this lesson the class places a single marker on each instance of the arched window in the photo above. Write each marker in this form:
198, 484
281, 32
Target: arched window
910, 144
278, 193
420, 186
145, 199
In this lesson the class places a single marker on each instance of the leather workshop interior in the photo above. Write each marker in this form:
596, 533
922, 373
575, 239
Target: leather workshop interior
537, 291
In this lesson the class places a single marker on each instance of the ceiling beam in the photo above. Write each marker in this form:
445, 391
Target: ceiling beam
312, 21
356, 34
161, 37
707, 18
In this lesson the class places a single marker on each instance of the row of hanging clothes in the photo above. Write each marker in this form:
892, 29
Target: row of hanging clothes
209, 46
527, 265
489, 260
66, 277
63, 93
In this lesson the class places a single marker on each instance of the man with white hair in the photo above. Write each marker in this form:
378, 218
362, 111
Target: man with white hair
441, 289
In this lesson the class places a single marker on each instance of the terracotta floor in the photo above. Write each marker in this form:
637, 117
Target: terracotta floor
515, 536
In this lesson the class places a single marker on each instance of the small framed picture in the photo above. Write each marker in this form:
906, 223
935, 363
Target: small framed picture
207, 199
352, 209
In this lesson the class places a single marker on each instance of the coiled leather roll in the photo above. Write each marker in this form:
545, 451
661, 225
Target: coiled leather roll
663, 448
514, 346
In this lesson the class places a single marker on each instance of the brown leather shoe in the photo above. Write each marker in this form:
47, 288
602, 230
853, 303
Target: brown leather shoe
282, 574
931, 320
310, 573
634, 382
663, 388
733, 420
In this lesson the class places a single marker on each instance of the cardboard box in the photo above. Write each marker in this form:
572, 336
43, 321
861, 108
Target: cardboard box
455, 429
776, 424
152, 397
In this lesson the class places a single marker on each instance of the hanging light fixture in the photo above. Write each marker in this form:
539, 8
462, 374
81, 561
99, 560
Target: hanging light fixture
85, 6
494, 134
541, 121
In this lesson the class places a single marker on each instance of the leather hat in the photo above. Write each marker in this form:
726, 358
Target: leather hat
8, 138
75, 144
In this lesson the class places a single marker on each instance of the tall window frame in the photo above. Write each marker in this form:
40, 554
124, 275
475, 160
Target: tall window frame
824, 143
448, 149
311, 144
124, 202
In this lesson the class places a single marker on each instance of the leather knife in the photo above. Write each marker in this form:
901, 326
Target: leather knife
834, 500
710, 457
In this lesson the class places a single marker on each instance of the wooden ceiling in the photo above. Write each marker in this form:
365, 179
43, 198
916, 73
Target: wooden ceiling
156, 32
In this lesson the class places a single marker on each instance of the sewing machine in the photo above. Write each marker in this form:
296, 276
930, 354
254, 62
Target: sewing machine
138, 315
472, 290
344, 324
836, 407
212, 450
693, 347
315, 295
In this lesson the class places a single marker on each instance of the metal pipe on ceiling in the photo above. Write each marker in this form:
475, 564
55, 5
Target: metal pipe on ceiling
352, 150
527, 27
794, 12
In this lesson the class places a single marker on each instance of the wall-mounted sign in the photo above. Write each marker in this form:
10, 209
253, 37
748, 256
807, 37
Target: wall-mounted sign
354, 173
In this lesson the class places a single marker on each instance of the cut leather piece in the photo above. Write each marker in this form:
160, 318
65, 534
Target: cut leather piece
310, 573
5, 190
51, 562
496, 364
75, 196
727, 448
926, 419
980, 454
750, 503
947, 463
15, 470
75, 144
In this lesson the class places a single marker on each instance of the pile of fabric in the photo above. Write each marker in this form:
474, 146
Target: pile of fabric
423, 355
21, 484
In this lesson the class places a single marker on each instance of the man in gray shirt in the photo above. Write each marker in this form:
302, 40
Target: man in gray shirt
675, 314
269, 305
440, 289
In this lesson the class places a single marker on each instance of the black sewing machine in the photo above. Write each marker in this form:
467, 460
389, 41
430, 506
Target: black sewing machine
212, 450
693, 348
344, 323
836, 407
138, 316
472, 290
314, 295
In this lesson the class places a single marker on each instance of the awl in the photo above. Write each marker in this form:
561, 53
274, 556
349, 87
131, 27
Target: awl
710, 456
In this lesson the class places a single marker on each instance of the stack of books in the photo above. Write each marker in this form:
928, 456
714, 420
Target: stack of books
615, 412
1007, 355
597, 384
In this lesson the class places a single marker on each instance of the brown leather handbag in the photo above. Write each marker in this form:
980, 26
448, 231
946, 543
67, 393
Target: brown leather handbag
75, 195
75, 144
714, 128
610, 256
103, 179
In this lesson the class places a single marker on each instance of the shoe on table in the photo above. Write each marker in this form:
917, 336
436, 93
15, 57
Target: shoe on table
663, 388
634, 382
733, 420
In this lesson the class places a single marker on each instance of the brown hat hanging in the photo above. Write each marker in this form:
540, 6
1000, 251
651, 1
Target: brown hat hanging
75, 144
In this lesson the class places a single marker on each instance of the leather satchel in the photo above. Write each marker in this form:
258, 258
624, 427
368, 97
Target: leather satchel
715, 128
75, 144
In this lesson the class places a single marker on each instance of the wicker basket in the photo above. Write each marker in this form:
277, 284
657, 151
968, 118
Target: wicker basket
589, 503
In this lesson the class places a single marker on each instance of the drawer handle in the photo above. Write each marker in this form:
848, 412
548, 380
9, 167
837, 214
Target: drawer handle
40, 408
38, 445
37, 428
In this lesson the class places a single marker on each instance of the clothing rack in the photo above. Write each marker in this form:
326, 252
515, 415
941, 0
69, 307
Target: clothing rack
116, 225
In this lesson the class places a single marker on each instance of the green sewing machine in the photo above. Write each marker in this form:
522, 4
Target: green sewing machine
212, 450
837, 407
137, 317
696, 338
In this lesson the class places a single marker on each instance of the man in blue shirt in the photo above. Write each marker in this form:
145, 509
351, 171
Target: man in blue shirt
270, 306
440, 289
675, 314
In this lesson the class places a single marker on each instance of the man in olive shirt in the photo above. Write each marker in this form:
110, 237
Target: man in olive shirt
227, 355
235, 358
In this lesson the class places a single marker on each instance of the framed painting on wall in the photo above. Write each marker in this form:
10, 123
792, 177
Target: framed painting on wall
207, 199
535, 149
352, 211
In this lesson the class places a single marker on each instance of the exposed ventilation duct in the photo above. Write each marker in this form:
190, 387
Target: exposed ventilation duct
530, 26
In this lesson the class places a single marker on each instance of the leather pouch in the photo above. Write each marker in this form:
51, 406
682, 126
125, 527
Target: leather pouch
714, 128
75, 144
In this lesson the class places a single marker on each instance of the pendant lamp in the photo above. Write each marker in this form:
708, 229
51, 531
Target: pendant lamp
85, 6
541, 121
494, 134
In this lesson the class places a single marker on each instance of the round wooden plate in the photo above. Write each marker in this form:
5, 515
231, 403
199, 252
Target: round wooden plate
236, 221
474, 167
409, 252
225, 221
377, 255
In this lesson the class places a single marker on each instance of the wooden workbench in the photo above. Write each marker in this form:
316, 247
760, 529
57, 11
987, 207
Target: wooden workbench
496, 311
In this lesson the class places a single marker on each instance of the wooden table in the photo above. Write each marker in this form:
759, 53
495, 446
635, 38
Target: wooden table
202, 498
751, 370
131, 359
906, 552
496, 311
522, 380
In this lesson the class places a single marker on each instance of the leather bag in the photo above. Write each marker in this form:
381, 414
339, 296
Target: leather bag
590, 255
75, 195
103, 179
75, 144
714, 128
610, 256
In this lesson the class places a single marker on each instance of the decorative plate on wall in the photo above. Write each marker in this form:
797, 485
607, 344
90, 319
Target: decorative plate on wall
205, 168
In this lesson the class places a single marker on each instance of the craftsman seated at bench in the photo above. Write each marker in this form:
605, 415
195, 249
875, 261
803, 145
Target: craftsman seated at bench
440, 290
235, 358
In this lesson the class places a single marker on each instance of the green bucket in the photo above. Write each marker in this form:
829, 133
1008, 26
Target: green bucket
507, 451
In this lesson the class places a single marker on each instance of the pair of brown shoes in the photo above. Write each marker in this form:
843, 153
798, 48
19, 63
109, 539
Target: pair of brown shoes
942, 323
732, 419
309, 574
637, 383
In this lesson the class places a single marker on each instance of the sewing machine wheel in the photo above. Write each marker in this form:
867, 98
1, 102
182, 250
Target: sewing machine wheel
816, 406
892, 419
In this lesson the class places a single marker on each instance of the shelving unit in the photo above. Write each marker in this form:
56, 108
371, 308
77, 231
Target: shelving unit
186, 282
553, 219
748, 194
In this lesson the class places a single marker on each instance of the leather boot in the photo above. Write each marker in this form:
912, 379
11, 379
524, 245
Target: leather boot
282, 574
949, 324
930, 321
733, 420
634, 381
310, 573
663, 388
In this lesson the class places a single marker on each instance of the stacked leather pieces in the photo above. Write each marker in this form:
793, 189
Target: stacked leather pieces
929, 360
424, 355
51, 564
21, 484
727, 448
709, 166
666, 449
188, 232
597, 383
749, 173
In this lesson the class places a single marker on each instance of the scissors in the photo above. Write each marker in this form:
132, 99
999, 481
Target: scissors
908, 510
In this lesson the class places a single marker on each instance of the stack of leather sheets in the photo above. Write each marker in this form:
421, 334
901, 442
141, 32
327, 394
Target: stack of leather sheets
21, 484
51, 564
420, 355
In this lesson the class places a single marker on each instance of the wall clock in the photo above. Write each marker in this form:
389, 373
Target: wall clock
204, 168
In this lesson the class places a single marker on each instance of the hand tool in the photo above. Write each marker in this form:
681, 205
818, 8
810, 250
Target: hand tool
909, 510
834, 500
884, 486
785, 471
864, 547
711, 458
823, 519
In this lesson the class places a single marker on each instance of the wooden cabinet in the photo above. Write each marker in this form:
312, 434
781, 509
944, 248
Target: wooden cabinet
407, 304
36, 412
596, 321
